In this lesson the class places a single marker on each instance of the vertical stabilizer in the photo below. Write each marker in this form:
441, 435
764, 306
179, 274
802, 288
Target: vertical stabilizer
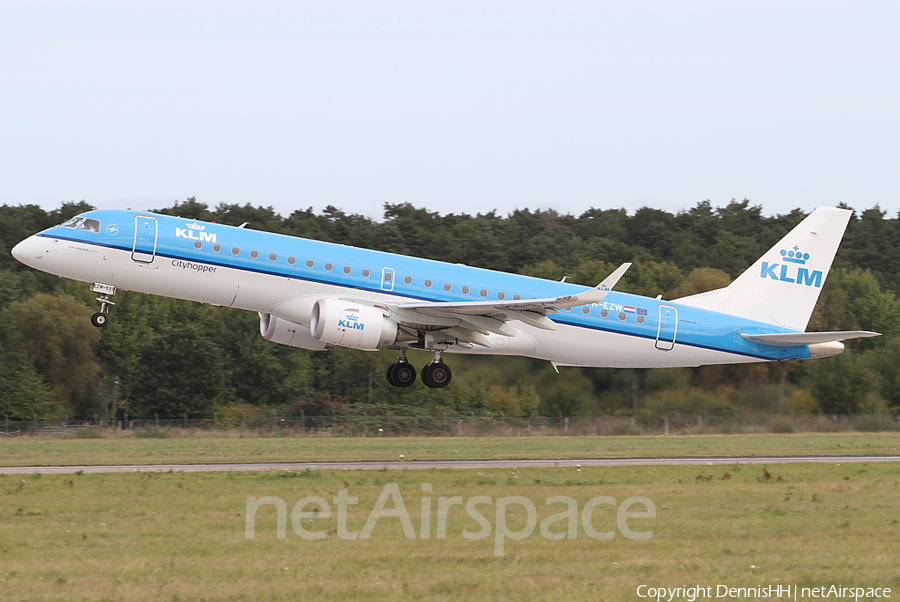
783, 285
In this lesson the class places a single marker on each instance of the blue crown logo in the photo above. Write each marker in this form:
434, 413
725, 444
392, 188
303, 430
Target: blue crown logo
794, 256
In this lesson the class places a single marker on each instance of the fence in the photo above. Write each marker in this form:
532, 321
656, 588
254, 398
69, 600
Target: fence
376, 423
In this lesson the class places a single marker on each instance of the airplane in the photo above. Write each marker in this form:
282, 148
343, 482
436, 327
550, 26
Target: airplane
313, 294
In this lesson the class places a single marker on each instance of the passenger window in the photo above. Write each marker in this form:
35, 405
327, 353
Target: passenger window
272, 257
465, 290
586, 310
235, 251
501, 296
198, 245
603, 313
407, 280
428, 284
640, 319
254, 254
217, 247
328, 267
516, 297
622, 317
483, 292
309, 263
346, 269
447, 286
91, 225
71, 223
366, 273
291, 261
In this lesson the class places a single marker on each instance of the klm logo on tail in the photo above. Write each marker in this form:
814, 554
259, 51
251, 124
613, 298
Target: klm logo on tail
787, 273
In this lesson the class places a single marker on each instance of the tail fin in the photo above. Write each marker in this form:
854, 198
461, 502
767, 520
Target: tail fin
783, 285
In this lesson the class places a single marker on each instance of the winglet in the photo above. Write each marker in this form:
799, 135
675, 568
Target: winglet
599, 292
610, 281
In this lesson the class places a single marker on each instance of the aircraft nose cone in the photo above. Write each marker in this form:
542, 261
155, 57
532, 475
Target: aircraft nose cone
25, 250
19, 251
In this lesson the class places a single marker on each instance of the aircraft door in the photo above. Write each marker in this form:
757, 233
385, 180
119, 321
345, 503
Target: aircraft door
146, 230
668, 326
387, 279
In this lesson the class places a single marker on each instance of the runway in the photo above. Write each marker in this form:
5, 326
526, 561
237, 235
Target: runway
454, 464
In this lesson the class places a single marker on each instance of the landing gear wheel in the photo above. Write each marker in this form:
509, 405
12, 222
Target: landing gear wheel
390, 375
404, 374
401, 374
99, 319
436, 375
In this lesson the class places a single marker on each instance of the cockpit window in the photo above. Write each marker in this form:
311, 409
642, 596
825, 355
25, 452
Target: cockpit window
71, 223
91, 225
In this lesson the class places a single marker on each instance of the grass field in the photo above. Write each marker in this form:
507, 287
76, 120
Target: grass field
43, 451
181, 536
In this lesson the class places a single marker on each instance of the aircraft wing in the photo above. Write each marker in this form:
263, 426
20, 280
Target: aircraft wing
542, 306
490, 316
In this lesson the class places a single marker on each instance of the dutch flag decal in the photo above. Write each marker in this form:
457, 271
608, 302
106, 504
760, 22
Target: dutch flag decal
628, 309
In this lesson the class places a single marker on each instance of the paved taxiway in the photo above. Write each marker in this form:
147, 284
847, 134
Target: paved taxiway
424, 464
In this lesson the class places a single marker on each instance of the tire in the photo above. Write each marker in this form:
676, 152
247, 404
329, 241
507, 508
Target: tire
404, 374
99, 320
436, 375
390, 375
426, 376
440, 375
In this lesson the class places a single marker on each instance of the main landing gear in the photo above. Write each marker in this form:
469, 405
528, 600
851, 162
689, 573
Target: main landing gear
401, 373
101, 318
435, 375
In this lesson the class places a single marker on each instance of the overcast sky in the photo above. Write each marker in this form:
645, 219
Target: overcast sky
455, 106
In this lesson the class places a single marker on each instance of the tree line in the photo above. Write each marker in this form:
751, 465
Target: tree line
167, 357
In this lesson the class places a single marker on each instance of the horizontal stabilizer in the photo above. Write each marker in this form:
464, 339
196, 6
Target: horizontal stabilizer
793, 339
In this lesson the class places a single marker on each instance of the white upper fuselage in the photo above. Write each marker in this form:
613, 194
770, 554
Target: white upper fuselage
284, 276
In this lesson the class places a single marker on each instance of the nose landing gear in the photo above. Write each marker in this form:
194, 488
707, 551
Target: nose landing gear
101, 318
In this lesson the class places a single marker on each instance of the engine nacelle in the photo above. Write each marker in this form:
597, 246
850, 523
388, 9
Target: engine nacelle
351, 324
279, 330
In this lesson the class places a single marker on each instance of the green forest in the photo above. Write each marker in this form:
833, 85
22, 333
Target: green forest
169, 358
